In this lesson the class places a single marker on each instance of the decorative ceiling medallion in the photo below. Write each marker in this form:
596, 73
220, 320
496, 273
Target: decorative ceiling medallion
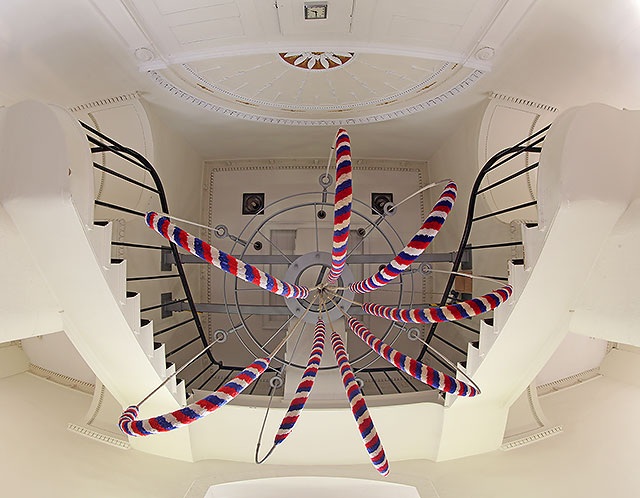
316, 88
317, 61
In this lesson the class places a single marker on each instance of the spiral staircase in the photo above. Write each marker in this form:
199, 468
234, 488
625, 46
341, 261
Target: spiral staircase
580, 204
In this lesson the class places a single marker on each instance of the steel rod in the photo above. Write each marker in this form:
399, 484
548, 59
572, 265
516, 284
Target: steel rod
210, 377
162, 305
450, 344
491, 246
392, 381
175, 326
194, 379
150, 277
510, 177
124, 177
374, 382
118, 208
180, 348
507, 210
140, 246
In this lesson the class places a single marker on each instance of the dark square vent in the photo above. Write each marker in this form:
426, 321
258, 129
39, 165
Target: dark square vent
378, 201
253, 203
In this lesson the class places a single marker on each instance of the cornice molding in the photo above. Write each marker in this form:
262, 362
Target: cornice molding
532, 438
103, 438
105, 102
63, 380
442, 97
567, 382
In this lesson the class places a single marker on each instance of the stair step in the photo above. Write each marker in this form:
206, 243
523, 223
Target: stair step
116, 277
159, 359
488, 335
145, 337
181, 392
131, 311
100, 239
532, 242
518, 277
170, 369
473, 357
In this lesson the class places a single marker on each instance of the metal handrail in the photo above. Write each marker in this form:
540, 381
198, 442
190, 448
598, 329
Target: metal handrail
140, 161
495, 162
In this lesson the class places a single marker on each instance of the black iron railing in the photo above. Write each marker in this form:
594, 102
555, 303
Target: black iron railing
530, 144
103, 144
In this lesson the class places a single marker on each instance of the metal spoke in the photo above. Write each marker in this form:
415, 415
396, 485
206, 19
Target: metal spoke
278, 331
373, 226
275, 246
315, 220
321, 273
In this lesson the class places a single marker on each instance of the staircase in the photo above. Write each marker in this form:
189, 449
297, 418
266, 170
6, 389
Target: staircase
579, 205
52, 208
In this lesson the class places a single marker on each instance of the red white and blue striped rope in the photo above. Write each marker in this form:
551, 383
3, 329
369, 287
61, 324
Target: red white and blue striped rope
449, 313
222, 260
416, 369
170, 421
304, 387
359, 408
415, 247
342, 206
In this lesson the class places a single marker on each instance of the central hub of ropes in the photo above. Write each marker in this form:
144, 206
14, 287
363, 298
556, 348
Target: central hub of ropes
314, 304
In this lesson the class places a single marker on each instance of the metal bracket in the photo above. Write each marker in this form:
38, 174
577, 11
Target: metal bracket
166, 297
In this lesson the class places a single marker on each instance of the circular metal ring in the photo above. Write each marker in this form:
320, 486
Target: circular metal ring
221, 231
220, 335
251, 339
425, 269
325, 180
413, 333
275, 382
360, 382
389, 209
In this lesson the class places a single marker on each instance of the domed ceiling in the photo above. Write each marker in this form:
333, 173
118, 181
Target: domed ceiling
316, 88
267, 61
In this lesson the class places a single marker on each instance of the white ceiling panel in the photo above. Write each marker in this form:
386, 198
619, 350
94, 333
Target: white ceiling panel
213, 29
171, 6
439, 34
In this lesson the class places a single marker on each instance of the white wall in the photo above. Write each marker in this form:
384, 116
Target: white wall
56, 352
589, 459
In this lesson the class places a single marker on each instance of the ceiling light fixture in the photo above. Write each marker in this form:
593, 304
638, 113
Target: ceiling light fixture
313, 11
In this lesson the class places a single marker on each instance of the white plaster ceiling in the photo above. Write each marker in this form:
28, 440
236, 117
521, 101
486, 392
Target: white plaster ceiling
562, 53
368, 61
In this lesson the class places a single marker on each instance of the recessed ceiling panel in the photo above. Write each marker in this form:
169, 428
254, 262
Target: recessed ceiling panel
316, 87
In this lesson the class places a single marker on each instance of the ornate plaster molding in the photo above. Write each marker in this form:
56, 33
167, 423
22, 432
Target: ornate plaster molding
317, 61
256, 116
63, 380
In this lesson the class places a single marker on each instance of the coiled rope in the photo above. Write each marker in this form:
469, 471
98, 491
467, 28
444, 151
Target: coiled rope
358, 405
342, 209
415, 247
448, 313
222, 260
178, 418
